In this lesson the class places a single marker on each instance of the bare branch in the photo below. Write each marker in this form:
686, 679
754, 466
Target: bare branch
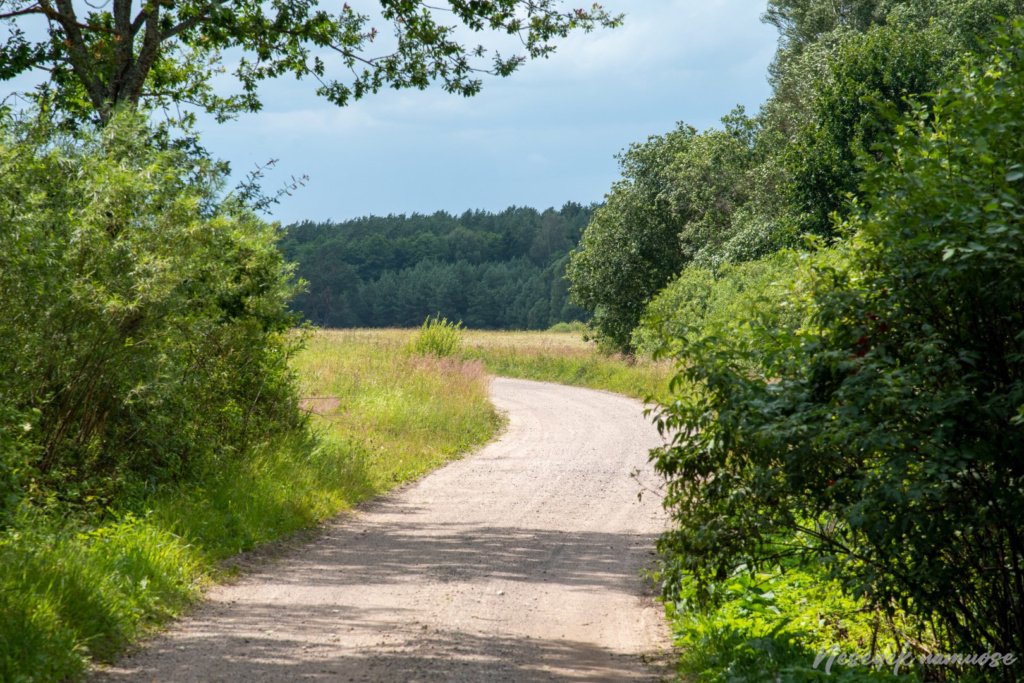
31, 9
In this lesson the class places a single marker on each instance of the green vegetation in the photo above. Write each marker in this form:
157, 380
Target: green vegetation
491, 271
145, 334
842, 83
550, 356
842, 301
566, 358
150, 378
151, 384
77, 590
437, 337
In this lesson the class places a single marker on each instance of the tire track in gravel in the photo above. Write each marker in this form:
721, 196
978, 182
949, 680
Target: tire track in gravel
520, 562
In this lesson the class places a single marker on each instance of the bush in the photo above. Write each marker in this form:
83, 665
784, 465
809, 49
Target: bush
145, 326
576, 326
437, 337
885, 434
702, 302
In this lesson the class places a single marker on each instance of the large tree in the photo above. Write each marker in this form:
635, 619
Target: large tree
162, 52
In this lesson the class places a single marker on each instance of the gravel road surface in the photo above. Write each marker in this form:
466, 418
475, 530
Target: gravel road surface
520, 562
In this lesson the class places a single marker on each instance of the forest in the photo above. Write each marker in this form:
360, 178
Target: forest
490, 270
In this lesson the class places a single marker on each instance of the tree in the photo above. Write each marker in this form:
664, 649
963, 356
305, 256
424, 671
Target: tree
674, 203
859, 97
164, 52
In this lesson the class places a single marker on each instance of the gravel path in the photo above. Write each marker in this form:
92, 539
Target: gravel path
520, 562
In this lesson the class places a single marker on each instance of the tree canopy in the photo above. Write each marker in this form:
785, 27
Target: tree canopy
167, 52
489, 270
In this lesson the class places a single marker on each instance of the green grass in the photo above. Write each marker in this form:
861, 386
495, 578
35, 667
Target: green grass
74, 590
771, 627
565, 358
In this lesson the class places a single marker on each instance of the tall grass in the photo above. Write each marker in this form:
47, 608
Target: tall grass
559, 356
76, 590
566, 358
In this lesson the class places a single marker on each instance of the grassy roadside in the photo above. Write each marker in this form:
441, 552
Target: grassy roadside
564, 357
553, 356
77, 586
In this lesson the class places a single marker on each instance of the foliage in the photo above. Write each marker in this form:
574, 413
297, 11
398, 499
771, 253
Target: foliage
437, 337
165, 54
702, 302
774, 627
845, 72
576, 326
145, 324
858, 99
883, 435
629, 250
503, 270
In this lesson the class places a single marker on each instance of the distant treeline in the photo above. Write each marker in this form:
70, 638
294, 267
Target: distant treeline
503, 270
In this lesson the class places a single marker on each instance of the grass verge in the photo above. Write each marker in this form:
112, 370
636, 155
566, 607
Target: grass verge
75, 588
562, 356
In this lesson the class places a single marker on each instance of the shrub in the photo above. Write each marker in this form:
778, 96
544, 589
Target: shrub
437, 337
576, 326
145, 326
703, 302
884, 435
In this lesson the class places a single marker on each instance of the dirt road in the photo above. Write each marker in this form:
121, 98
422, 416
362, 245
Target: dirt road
518, 563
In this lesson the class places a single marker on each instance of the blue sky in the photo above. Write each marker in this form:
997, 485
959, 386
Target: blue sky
544, 136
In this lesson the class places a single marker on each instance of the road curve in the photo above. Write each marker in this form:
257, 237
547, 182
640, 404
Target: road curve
520, 562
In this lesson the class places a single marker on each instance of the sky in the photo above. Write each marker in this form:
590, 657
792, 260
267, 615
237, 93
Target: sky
544, 136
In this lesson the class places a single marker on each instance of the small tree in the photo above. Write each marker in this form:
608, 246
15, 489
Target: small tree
146, 325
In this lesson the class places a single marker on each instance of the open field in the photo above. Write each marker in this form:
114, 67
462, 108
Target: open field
562, 357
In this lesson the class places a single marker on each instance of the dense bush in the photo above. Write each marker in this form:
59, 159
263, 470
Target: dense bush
437, 337
884, 436
145, 328
703, 302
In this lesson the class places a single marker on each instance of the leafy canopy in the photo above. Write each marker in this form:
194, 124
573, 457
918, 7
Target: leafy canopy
168, 52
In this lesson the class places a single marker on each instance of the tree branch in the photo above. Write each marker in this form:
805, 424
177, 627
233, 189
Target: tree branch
31, 9
80, 62
151, 39
192, 22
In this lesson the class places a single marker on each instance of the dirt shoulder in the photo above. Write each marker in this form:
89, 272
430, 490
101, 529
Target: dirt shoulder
520, 562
